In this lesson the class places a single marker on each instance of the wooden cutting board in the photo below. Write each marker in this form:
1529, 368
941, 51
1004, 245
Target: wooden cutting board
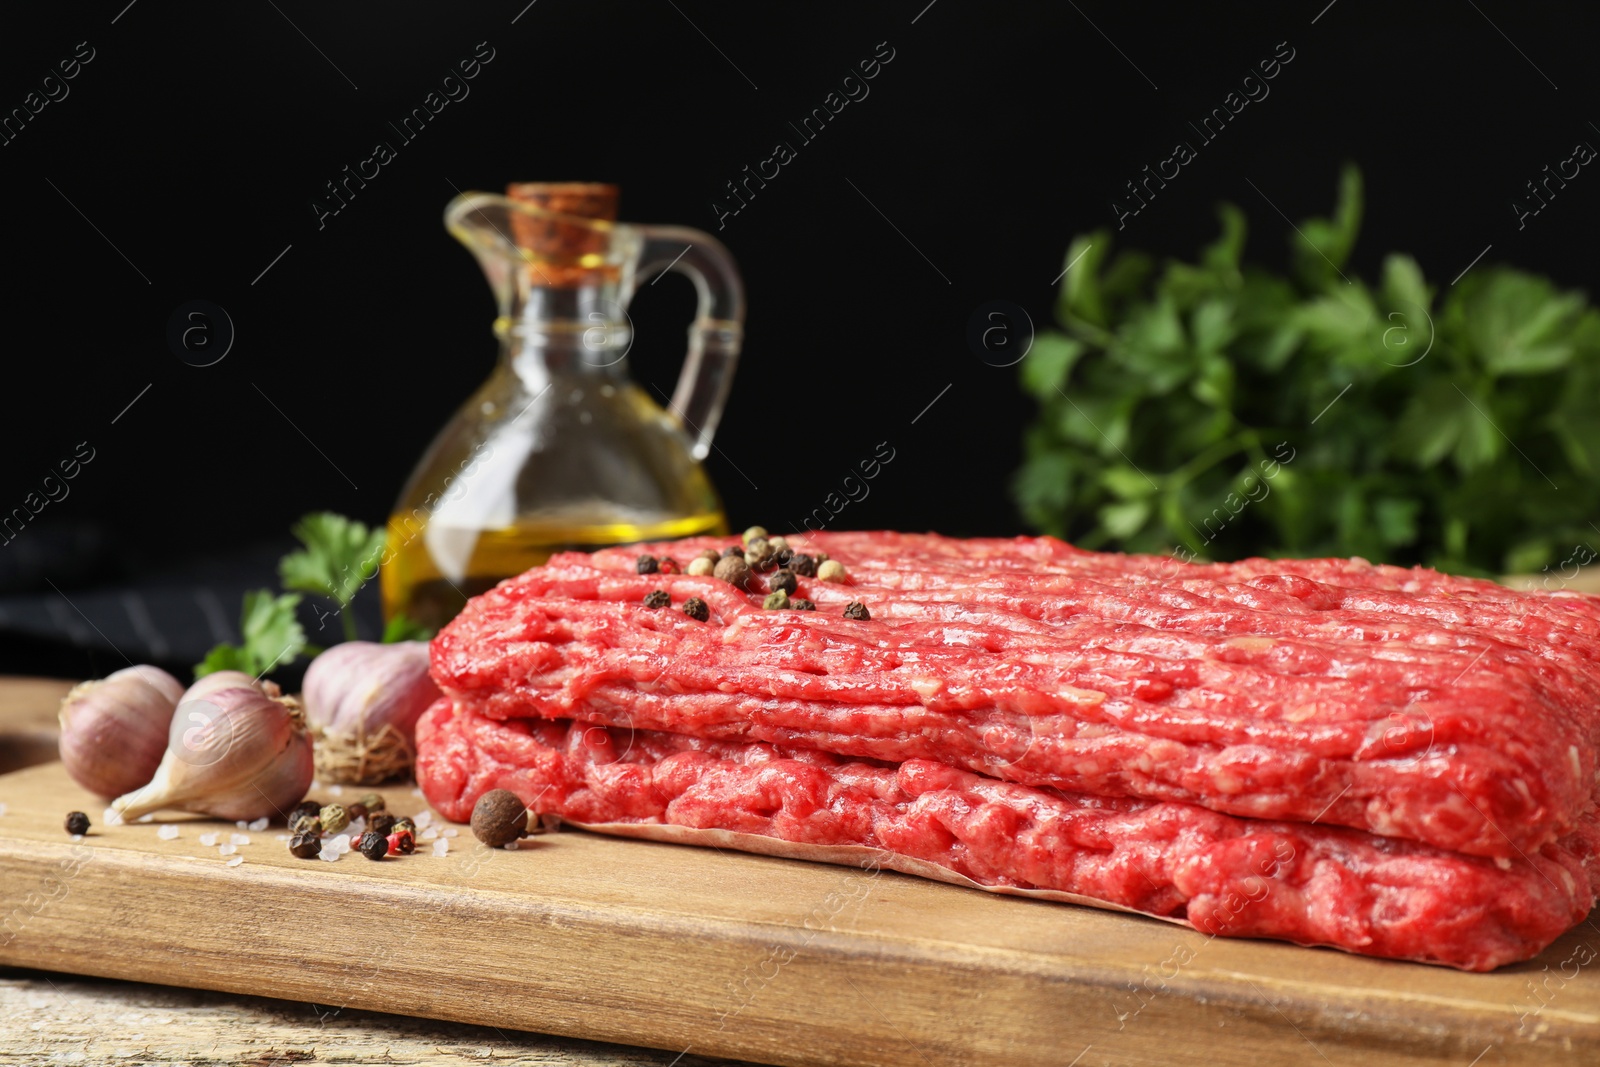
741, 956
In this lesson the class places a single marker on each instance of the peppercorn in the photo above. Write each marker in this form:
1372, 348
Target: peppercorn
802, 605
373, 845
402, 842
779, 544
832, 571
305, 824
404, 823
782, 580
382, 822
857, 610
334, 818
803, 565
499, 818
700, 566
668, 565
734, 571
373, 802
760, 556
696, 609
732, 550
305, 846
752, 533
356, 811
708, 553
658, 599
776, 601
822, 557
77, 823
305, 807
647, 565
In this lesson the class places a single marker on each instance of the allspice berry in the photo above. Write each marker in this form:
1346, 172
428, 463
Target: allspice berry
734, 571
499, 818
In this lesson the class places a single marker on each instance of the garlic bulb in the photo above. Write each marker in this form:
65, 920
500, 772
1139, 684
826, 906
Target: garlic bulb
363, 701
216, 680
235, 754
114, 731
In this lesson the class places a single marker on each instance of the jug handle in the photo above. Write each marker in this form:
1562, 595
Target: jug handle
717, 332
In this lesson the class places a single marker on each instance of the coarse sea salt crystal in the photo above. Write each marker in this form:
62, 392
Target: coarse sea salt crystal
111, 817
235, 861
260, 824
440, 847
242, 824
207, 840
429, 835
451, 831
422, 819
168, 832
238, 839
283, 837
336, 790
227, 850
510, 846
330, 852
77, 837
148, 818
342, 843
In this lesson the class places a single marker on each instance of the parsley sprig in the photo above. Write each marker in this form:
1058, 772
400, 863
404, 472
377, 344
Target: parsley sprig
1452, 426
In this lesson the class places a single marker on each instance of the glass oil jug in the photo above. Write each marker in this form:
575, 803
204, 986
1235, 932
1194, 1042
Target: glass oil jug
559, 449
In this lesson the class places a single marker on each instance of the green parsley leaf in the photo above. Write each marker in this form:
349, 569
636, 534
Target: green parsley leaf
273, 637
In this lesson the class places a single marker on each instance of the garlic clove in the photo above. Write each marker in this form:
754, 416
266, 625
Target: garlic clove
235, 754
216, 681
114, 731
363, 700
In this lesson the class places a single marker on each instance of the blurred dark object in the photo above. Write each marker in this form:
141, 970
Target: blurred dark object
62, 551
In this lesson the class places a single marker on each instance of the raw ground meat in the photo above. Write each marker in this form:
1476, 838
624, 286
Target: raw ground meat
1235, 877
1401, 701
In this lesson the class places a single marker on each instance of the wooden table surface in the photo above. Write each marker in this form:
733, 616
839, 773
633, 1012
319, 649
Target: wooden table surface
57, 1018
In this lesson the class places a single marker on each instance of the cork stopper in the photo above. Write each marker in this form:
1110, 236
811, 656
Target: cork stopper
563, 253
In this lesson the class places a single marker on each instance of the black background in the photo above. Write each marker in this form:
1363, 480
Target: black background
192, 145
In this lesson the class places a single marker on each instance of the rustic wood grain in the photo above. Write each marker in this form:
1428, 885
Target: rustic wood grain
53, 1018
28, 731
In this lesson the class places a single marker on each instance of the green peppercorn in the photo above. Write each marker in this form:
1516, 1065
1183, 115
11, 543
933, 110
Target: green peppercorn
77, 823
802, 605
732, 550
374, 845
404, 823
803, 565
647, 565
305, 846
305, 807
776, 601
754, 532
696, 609
658, 599
782, 580
373, 802
857, 610
734, 571
306, 824
334, 818
382, 822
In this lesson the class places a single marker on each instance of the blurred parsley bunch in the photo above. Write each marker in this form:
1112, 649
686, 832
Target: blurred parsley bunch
1463, 431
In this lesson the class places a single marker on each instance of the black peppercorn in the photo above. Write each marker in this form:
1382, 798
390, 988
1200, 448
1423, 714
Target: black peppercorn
782, 580
356, 811
696, 609
305, 807
802, 605
77, 823
857, 610
374, 845
733, 550
647, 565
382, 822
803, 565
305, 846
658, 599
